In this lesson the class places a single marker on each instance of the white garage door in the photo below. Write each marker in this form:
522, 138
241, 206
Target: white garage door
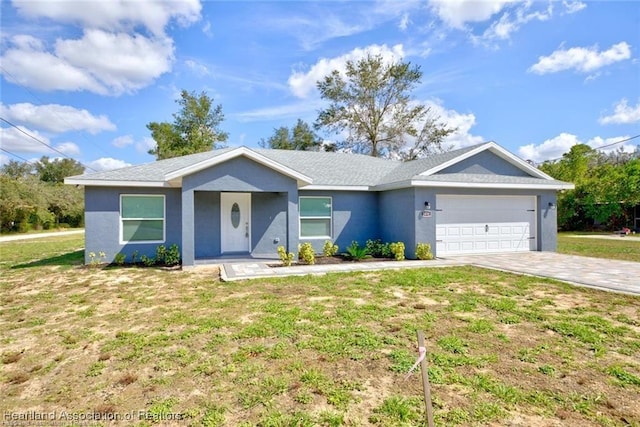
485, 224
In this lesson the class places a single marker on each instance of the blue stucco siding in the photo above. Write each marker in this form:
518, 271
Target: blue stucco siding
271, 195
398, 217
269, 213
425, 226
207, 224
102, 221
485, 162
355, 217
238, 175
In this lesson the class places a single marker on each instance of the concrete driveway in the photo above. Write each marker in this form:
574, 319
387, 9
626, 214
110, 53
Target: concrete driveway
606, 274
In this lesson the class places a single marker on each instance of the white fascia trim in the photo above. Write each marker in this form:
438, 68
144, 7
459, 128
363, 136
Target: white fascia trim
393, 186
240, 151
336, 187
451, 184
500, 152
112, 183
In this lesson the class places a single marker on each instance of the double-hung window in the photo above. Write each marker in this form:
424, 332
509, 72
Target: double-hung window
315, 217
142, 218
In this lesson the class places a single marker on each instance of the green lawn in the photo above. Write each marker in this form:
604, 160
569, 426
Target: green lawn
331, 350
623, 248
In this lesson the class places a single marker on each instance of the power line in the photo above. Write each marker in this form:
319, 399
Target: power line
15, 155
15, 81
44, 143
604, 146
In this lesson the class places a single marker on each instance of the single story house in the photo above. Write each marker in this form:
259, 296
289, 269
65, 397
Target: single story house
247, 202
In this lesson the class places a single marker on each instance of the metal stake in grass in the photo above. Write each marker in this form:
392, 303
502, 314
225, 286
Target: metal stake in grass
425, 380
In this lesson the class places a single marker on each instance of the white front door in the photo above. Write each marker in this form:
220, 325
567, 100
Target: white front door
485, 224
235, 227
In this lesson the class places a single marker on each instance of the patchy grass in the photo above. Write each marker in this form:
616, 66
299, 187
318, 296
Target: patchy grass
330, 350
622, 248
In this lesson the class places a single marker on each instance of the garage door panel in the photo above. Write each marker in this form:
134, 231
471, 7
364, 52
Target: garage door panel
473, 224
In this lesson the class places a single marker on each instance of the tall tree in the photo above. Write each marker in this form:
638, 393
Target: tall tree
372, 103
57, 170
607, 187
15, 169
300, 137
195, 128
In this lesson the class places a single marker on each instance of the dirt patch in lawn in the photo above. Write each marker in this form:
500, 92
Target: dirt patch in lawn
329, 350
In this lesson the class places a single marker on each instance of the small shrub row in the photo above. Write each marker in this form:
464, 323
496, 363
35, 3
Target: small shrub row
373, 248
168, 257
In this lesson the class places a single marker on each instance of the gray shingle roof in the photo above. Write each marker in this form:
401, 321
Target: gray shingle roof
327, 169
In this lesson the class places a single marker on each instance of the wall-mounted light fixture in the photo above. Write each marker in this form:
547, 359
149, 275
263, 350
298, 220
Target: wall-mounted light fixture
552, 205
427, 206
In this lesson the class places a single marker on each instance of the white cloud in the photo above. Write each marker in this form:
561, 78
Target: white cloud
312, 31
453, 119
198, 68
122, 141
404, 22
550, 149
145, 145
598, 142
555, 147
289, 111
623, 114
457, 13
56, 118
107, 163
581, 59
123, 46
510, 22
17, 142
303, 83
114, 15
99, 62
573, 6
206, 29
68, 148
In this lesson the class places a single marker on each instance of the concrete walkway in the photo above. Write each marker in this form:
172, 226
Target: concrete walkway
605, 274
13, 237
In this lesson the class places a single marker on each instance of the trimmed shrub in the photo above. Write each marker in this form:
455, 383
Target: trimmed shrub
329, 249
423, 251
306, 253
172, 256
397, 249
119, 258
286, 258
378, 249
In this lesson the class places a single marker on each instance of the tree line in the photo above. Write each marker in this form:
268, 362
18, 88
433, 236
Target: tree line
33, 195
607, 188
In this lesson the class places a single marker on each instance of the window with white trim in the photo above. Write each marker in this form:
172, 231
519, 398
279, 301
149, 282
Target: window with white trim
315, 217
142, 218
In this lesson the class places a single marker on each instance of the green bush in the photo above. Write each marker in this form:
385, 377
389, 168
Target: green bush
134, 257
356, 253
286, 258
378, 249
397, 249
306, 253
423, 251
147, 261
161, 253
172, 256
119, 258
329, 249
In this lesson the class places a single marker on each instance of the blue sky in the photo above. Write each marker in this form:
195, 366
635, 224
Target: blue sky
85, 77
